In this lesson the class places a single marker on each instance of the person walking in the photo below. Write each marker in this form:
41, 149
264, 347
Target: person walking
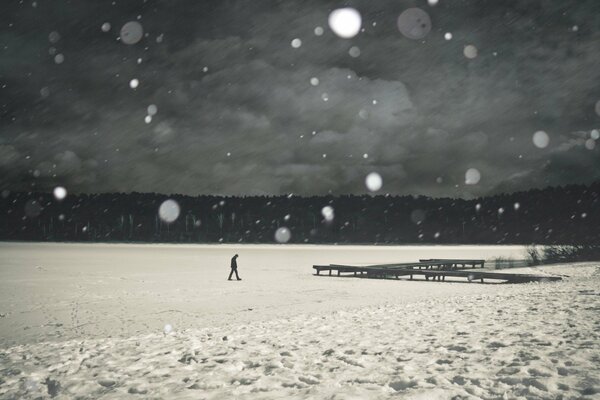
234, 268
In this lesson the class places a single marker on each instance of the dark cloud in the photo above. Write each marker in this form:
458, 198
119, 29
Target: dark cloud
237, 110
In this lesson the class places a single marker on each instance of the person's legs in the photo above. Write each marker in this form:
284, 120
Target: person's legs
231, 273
237, 276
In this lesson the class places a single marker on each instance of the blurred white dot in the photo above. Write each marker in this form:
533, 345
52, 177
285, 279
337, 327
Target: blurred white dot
105, 27
314, 81
477, 207
152, 109
134, 83
365, 155
345, 22
472, 176
54, 37
324, 155
296, 43
60, 193
328, 213
354, 51
470, 51
59, 58
148, 119
132, 32
373, 181
583, 215
139, 60
575, 28
283, 235
448, 36
439, 179
374, 102
595, 134
169, 210
517, 206
45, 92
364, 114
501, 210
436, 235
414, 23
541, 139
160, 38
205, 69
228, 154
319, 31
325, 97
590, 144
432, 2
168, 329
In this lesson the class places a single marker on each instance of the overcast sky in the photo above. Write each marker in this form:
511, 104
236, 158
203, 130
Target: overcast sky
236, 108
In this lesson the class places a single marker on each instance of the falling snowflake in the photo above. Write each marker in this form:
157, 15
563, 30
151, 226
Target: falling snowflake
60, 193
345, 22
328, 213
132, 32
373, 181
470, 51
472, 176
414, 23
169, 211
541, 139
283, 235
296, 43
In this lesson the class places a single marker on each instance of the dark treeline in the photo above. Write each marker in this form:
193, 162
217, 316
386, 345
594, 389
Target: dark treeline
560, 215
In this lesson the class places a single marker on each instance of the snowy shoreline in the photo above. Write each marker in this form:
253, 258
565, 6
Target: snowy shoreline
284, 333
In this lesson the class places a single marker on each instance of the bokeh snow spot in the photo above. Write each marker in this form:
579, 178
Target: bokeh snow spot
54, 37
472, 176
541, 139
328, 213
283, 235
345, 22
105, 27
169, 210
134, 83
60, 193
354, 51
373, 181
132, 32
470, 51
296, 43
414, 23
314, 81
152, 109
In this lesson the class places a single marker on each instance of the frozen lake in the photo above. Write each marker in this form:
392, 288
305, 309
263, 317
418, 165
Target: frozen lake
58, 291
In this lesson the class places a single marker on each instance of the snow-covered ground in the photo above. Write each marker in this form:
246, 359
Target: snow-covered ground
89, 320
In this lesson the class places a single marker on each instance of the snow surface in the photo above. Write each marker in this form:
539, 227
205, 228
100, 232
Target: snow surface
91, 321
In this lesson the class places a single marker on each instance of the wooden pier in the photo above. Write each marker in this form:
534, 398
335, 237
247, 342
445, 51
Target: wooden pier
430, 269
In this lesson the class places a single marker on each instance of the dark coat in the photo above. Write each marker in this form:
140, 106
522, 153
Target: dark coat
233, 263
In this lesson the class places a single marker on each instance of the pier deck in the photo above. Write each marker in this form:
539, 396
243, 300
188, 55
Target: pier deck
431, 270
